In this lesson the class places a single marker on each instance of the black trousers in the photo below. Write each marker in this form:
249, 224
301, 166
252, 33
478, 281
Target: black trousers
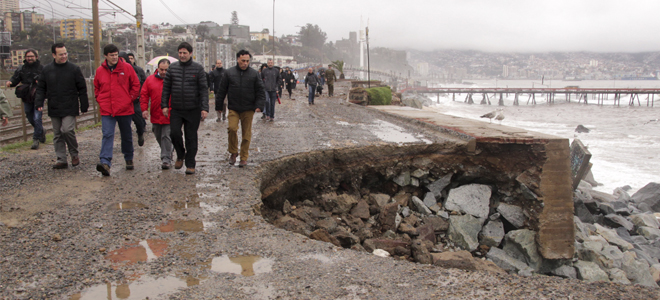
189, 120
140, 123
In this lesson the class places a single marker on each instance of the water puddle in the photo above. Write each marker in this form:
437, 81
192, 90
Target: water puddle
181, 225
128, 205
389, 132
148, 288
246, 265
144, 251
245, 224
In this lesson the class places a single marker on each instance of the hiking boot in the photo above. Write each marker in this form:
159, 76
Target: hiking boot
75, 161
190, 171
165, 166
35, 145
42, 139
242, 163
178, 164
232, 159
60, 166
141, 139
103, 168
129, 165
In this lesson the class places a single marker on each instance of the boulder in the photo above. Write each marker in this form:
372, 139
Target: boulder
403, 179
291, 224
649, 233
307, 214
420, 253
387, 217
329, 224
492, 233
437, 186
402, 199
408, 229
419, 206
606, 208
364, 234
582, 212
613, 257
645, 220
324, 236
613, 220
464, 231
346, 239
361, 210
473, 199
621, 194
637, 270
581, 233
590, 272
644, 255
512, 213
508, 263
429, 199
438, 224
602, 197
354, 223
426, 233
618, 276
650, 195
655, 272
565, 272
621, 208
465, 261
521, 244
613, 238
412, 220
340, 204
380, 199
624, 234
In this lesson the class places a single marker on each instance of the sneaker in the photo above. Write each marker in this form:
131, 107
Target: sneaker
103, 168
35, 145
129, 165
165, 166
271, 119
190, 171
75, 161
263, 116
178, 164
60, 166
232, 159
242, 163
141, 139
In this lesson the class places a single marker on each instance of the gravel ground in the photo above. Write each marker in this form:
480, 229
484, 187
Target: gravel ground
72, 234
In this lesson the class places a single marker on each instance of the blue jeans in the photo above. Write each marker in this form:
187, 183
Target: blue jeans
34, 118
312, 91
108, 129
265, 109
270, 103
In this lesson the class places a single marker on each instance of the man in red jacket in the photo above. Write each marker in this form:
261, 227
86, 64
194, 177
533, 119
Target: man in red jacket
115, 86
153, 89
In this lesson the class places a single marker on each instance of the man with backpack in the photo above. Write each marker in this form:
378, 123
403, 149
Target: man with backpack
27, 75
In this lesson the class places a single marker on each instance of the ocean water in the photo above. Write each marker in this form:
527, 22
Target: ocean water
624, 141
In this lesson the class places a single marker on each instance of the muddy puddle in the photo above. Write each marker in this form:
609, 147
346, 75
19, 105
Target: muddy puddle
144, 251
181, 225
246, 265
147, 288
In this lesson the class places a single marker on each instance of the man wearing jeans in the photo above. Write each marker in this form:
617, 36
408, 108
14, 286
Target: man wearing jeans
27, 75
244, 89
311, 81
272, 79
116, 85
150, 95
63, 84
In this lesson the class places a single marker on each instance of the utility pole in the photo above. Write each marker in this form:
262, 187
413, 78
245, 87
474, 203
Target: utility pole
273, 31
368, 65
140, 33
97, 33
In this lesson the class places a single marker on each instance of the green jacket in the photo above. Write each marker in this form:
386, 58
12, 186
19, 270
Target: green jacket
330, 76
5, 109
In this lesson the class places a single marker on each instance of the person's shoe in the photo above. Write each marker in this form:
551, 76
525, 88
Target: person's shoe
42, 139
271, 119
141, 139
224, 118
190, 171
165, 166
178, 164
60, 166
263, 116
232, 159
242, 163
219, 119
103, 168
129, 165
75, 161
35, 145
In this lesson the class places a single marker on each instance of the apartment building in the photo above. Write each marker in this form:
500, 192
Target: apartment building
80, 29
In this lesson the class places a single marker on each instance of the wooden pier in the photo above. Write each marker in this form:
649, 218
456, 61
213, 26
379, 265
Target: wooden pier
599, 96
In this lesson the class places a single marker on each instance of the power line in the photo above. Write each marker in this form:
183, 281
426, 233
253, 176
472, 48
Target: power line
168, 8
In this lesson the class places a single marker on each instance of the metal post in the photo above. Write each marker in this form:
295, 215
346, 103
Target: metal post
273, 31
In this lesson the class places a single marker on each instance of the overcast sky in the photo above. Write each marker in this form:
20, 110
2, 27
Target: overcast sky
486, 25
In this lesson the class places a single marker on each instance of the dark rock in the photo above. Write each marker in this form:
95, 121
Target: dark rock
643, 252
374, 209
464, 231
408, 229
527, 193
286, 208
463, 260
324, 236
385, 244
521, 244
358, 247
624, 234
614, 221
291, 224
420, 253
344, 203
361, 210
620, 208
581, 129
426, 233
412, 220
387, 217
329, 224
402, 199
650, 195
438, 224
346, 239
583, 213
364, 234
565, 272
352, 222
606, 208
506, 262
437, 186
309, 203
402, 251
307, 214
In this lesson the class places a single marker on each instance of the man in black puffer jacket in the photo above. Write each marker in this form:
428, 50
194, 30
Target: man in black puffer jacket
27, 75
64, 85
246, 95
186, 83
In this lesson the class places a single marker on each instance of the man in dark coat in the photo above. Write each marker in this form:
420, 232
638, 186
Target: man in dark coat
140, 123
245, 94
64, 85
311, 81
186, 83
272, 81
214, 81
27, 75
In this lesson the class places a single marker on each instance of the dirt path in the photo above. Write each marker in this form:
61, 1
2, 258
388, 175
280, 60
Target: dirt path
71, 234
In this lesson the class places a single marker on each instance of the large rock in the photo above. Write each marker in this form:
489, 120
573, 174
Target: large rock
650, 195
429, 199
473, 199
420, 253
387, 217
426, 233
402, 199
346, 239
613, 257
419, 206
643, 255
618, 276
649, 233
464, 231
437, 186
583, 213
380, 199
403, 179
439, 224
565, 272
602, 197
512, 213
590, 272
614, 221
645, 220
521, 244
329, 224
508, 263
465, 261
361, 210
292, 224
338, 204
613, 238
324, 236
492, 233
637, 270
